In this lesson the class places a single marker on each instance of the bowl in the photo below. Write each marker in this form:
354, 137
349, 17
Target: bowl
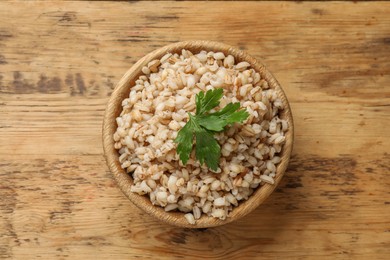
125, 181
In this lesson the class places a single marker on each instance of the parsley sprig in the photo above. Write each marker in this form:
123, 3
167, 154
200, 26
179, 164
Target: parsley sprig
203, 125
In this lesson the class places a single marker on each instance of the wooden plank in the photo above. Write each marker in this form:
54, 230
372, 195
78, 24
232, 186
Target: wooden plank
59, 62
69, 205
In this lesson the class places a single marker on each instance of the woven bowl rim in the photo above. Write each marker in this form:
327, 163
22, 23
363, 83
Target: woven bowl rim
124, 181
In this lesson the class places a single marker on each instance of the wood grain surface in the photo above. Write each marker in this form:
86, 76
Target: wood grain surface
59, 62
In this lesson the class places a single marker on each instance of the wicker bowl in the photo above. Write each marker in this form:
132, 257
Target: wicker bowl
125, 181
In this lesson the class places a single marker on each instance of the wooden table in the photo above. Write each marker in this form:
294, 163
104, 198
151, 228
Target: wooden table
59, 62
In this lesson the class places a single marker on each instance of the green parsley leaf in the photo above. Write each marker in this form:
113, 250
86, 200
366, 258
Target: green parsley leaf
205, 103
203, 125
212, 123
228, 115
207, 149
184, 139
